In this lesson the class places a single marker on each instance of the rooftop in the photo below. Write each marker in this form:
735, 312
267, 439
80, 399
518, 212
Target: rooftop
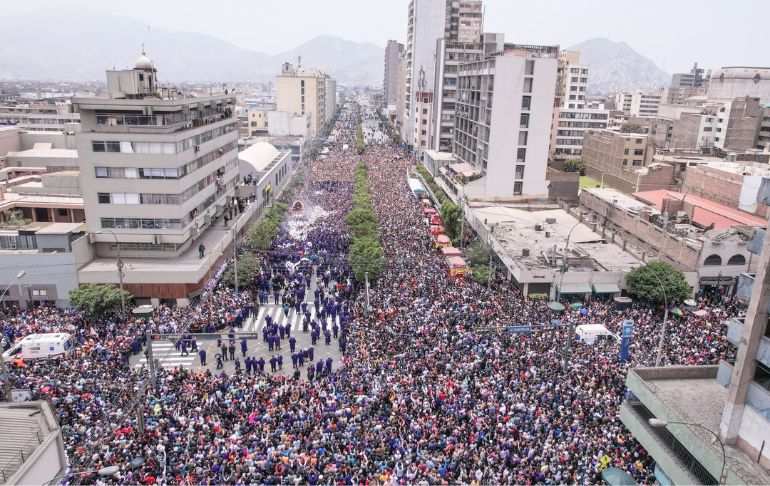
706, 212
694, 395
436, 155
45, 150
516, 231
741, 168
619, 199
27, 428
686, 159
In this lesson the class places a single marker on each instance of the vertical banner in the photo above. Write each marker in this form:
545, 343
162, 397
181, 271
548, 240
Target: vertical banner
627, 330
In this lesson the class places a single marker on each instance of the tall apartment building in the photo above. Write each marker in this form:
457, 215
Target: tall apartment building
571, 80
427, 21
306, 90
423, 119
729, 83
504, 107
393, 53
639, 103
451, 52
156, 167
738, 124
571, 125
685, 85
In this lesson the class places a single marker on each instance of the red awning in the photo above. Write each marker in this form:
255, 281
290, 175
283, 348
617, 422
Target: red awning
450, 251
429, 211
443, 239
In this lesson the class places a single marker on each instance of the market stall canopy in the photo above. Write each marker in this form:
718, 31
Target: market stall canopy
574, 288
606, 288
556, 306
143, 310
436, 220
456, 262
429, 211
435, 230
450, 251
443, 239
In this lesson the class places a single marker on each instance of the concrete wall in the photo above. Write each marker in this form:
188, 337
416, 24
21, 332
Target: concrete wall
10, 141
55, 273
563, 186
642, 233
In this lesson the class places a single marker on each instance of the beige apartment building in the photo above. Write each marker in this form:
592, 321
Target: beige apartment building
306, 90
624, 161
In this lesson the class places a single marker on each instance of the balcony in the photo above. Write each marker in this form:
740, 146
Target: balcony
160, 122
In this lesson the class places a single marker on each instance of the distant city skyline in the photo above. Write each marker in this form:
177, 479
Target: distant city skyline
671, 34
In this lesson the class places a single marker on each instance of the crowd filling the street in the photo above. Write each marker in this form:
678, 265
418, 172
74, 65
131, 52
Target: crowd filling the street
424, 386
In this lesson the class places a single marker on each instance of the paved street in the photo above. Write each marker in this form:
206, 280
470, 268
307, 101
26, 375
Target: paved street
170, 357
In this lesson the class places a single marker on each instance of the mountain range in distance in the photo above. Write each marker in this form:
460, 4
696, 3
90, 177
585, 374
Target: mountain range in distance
84, 42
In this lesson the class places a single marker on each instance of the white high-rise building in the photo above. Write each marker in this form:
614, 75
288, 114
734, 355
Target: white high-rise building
427, 22
639, 103
503, 122
303, 90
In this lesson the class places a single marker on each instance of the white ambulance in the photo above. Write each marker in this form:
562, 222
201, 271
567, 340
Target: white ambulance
41, 346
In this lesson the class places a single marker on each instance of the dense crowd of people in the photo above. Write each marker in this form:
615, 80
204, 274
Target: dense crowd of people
429, 393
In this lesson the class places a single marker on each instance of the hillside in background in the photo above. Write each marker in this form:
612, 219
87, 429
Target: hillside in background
88, 42
614, 66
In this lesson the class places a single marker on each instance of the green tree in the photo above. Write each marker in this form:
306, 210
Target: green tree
450, 216
480, 273
260, 236
477, 254
575, 165
644, 283
366, 256
14, 218
247, 267
96, 300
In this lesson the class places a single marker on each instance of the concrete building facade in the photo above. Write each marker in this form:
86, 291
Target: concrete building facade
504, 107
392, 77
427, 21
732, 82
639, 103
570, 127
306, 90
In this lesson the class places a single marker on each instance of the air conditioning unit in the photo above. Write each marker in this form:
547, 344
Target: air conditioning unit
547, 234
538, 227
525, 252
92, 238
550, 220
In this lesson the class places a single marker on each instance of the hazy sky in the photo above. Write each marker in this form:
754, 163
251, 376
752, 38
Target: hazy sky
673, 33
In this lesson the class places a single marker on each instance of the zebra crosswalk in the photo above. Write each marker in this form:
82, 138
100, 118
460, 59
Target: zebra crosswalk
168, 356
276, 312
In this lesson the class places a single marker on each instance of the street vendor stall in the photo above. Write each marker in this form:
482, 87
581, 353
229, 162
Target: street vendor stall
429, 211
436, 230
457, 266
450, 251
443, 241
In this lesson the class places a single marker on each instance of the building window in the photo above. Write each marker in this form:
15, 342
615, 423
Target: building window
625, 161
104, 198
521, 155
638, 140
524, 120
424, 111
529, 67
62, 212
517, 188
519, 172
527, 85
737, 260
523, 138
625, 152
638, 151
526, 101
637, 162
713, 260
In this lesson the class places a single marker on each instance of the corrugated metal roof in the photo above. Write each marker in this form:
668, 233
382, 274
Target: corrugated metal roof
706, 211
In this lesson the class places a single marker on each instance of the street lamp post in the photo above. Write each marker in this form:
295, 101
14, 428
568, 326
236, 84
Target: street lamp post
235, 258
564, 264
659, 354
660, 423
120, 274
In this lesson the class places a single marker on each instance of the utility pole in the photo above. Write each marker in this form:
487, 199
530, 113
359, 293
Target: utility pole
150, 358
366, 285
6, 377
489, 275
462, 222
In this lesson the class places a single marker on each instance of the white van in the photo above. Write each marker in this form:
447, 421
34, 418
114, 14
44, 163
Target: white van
41, 346
590, 333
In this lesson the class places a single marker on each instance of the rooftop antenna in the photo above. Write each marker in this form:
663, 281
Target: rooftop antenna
299, 61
